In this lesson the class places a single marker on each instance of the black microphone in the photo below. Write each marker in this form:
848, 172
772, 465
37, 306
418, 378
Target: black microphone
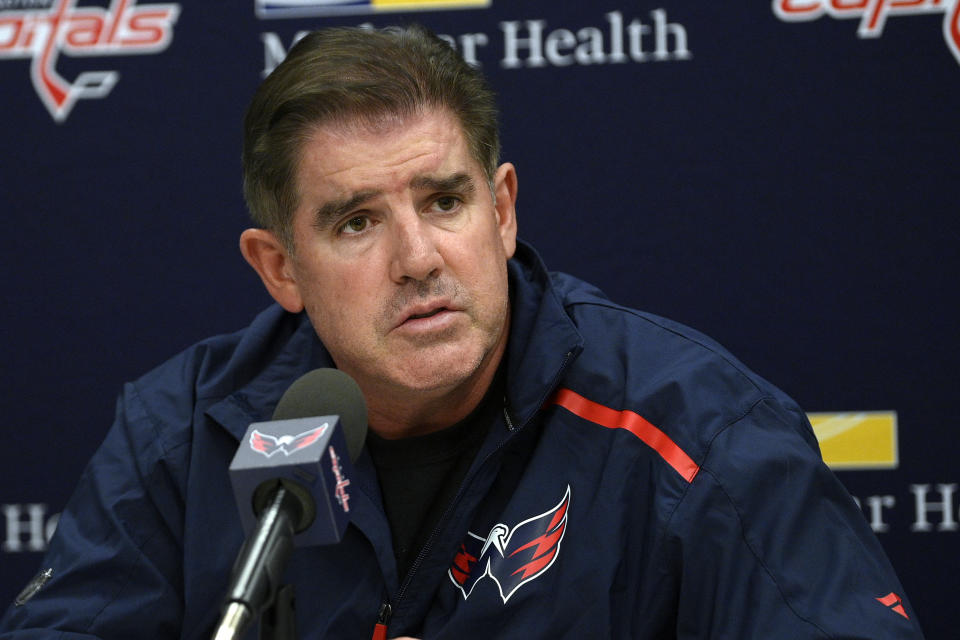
290, 479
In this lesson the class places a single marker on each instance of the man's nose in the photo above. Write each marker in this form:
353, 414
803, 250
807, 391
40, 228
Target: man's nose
415, 253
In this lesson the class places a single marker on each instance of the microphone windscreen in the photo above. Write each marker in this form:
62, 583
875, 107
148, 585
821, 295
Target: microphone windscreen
324, 392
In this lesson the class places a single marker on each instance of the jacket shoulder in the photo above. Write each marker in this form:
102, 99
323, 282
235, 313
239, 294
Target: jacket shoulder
679, 380
215, 368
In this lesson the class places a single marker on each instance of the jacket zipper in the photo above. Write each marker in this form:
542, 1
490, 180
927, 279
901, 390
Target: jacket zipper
386, 610
383, 619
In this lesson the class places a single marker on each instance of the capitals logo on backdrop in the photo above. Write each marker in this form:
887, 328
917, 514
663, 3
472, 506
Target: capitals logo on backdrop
304, 8
43, 29
267, 445
873, 14
511, 556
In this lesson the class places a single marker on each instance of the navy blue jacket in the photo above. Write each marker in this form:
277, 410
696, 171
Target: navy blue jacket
639, 483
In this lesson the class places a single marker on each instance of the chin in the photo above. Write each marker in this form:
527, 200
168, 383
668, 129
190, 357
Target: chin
435, 379
434, 372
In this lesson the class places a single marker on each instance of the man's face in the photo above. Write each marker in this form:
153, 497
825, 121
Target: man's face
400, 253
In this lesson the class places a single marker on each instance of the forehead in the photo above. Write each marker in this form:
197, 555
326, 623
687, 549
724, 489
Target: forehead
383, 154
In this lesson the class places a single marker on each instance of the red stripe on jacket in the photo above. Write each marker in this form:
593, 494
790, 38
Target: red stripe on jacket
632, 422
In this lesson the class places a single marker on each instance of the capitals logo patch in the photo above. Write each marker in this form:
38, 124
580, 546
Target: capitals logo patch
43, 29
268, 445
511, 556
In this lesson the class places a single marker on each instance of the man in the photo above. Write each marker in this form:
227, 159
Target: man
542, 462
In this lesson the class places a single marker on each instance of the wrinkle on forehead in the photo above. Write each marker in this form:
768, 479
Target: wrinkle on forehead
358, 132
376, 124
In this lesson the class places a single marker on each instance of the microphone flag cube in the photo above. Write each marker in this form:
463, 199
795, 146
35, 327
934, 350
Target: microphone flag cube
309, 457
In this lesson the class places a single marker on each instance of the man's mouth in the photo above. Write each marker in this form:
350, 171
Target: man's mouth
428, 314
427, 317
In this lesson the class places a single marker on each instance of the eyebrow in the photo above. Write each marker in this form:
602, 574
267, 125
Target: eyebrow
333, 210
458, 182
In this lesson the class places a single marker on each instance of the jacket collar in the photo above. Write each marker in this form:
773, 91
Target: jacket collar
275, 350
543, 339
279, 347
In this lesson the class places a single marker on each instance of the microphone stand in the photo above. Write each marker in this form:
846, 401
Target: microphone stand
255, 583
278, 621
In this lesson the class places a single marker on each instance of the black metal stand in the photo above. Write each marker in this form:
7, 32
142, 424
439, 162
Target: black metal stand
279, 620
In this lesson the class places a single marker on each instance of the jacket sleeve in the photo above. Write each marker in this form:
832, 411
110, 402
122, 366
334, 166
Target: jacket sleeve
767, 543
116, 555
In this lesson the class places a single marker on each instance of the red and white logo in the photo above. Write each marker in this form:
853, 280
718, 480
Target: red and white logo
268, 445
873, 14
895, 603
340, 491
511, 556
42, 29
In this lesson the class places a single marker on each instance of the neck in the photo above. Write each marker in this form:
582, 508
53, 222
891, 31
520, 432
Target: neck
401, 413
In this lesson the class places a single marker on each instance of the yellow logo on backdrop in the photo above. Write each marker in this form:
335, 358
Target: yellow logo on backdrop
860, 440
403, 5
305, 8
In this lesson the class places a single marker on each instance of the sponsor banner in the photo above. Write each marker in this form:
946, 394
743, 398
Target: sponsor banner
861, 440
918, 508
614, 38
305, 8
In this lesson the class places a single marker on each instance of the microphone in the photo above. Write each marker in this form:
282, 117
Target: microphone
290, 478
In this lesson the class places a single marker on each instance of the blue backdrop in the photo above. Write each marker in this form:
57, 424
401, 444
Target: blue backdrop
780, 175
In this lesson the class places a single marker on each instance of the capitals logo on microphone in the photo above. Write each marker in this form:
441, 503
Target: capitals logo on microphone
511, 556
266, 444
43, 29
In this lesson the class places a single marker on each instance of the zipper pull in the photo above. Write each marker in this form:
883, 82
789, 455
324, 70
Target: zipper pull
383, 619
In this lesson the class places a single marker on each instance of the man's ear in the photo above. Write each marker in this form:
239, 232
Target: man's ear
269, 258
505, 192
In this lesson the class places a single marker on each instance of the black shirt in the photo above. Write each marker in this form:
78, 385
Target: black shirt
420, 475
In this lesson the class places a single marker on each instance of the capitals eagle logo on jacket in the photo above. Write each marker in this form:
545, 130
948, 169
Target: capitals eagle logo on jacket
511, 556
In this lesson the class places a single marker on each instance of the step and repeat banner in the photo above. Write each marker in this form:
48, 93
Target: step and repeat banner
782, 175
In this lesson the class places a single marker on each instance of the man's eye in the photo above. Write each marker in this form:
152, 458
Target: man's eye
355, 224
447, 203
